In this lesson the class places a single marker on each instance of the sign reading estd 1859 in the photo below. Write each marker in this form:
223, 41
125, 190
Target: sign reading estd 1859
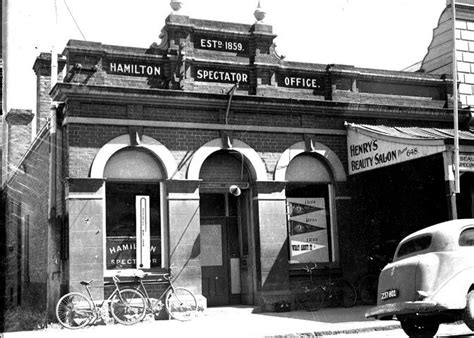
220, 44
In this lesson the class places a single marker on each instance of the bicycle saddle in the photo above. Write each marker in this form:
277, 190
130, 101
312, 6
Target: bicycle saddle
85, 283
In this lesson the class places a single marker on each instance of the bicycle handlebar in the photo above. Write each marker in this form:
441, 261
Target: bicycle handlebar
308, 268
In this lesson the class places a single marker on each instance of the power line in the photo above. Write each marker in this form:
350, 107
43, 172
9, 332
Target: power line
75, 22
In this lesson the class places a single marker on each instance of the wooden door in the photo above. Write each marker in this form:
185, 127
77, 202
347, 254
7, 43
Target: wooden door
214, 261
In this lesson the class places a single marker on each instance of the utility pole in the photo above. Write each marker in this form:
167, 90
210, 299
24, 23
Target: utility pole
457, 188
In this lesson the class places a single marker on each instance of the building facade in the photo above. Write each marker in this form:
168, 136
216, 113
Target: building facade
211, 154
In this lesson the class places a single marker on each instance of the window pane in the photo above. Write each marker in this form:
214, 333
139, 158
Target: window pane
212, 205
415, 245
121, 224
467, 237
132, 163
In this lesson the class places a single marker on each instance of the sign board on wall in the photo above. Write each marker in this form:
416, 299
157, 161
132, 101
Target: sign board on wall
300, 81
135, 68
208, 74
466, 162
308, 230
220, 44
371, 151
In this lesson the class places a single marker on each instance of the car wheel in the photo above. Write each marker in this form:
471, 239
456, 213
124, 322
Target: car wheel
419, 327
468, 315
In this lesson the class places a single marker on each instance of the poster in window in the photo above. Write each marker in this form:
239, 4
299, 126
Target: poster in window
307, 226
121, 252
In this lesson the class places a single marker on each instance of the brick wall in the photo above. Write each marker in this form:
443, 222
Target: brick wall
439, 57
26, 229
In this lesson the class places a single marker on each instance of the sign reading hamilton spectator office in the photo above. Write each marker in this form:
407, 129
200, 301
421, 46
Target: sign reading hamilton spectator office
222, 45
300, 81
135, 68
208, 74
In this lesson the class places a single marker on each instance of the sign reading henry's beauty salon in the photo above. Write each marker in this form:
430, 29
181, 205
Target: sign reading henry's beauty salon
368, 152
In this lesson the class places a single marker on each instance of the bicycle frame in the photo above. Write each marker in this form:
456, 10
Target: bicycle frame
141, 288
97, 308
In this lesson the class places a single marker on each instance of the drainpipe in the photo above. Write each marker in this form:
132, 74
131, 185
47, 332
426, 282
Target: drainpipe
53, 270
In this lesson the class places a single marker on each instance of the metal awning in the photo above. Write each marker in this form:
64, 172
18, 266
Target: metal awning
376, 146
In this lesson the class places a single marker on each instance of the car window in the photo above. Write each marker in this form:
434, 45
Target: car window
414, 245
467, 237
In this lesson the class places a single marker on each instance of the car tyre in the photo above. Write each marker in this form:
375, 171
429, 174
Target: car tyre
419, 328
468, 314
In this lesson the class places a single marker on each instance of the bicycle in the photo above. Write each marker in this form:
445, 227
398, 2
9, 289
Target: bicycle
333, 290
180, 303
76, 310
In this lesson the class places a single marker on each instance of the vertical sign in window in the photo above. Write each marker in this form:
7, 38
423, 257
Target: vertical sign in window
142, 207
308, 230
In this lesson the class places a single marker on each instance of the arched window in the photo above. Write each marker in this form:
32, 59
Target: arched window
309, 199
133, 215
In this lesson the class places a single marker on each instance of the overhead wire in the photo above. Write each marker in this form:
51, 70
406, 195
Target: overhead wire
74, 19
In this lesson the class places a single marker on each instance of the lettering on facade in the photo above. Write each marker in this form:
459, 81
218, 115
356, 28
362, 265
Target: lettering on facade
466, 162
135, 69
366, 152
300, 82
226, 76
218, 44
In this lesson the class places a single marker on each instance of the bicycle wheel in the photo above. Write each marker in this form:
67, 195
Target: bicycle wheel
368, 289
345, 292
181, 304
74, 310
310, 300
128, 306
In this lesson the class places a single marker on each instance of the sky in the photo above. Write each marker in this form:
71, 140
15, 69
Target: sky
383, 34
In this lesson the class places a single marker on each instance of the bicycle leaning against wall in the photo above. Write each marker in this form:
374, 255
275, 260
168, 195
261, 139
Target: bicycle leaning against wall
75, 310
336, 291
180, 303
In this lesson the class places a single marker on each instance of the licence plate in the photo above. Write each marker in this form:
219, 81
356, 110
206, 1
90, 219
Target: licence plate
389, 294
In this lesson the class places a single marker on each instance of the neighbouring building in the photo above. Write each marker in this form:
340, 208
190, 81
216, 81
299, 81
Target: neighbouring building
212, 154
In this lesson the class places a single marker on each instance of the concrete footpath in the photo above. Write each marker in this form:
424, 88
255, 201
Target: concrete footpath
238, 321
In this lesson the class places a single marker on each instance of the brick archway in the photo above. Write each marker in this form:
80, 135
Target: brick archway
254, 162
327, 154
159, 150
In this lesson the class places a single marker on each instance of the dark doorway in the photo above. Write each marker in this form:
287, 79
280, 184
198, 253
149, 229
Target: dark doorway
220, 249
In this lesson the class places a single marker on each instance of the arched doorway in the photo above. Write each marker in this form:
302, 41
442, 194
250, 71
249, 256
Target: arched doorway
225, 218
134, 231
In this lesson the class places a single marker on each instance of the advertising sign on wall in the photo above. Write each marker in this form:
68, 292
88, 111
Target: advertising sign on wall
466, 162
308, 231
366, 152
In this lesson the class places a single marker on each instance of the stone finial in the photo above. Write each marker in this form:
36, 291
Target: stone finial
176, 5
259, 13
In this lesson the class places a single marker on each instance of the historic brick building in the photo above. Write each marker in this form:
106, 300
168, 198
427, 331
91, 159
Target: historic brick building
212, 154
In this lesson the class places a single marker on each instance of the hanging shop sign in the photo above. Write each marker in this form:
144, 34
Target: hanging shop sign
220, 44
135, 69
367, 151
220, 75
307, 226
300, 81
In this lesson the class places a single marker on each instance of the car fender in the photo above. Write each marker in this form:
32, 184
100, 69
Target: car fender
451, 293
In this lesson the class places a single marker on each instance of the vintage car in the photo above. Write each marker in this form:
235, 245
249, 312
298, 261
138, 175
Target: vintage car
431, 279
